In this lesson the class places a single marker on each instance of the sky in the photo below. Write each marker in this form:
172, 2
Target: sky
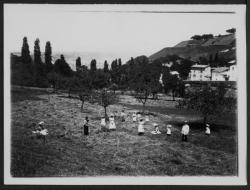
107, 29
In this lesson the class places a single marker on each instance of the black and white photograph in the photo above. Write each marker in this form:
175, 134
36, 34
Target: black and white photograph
124, 94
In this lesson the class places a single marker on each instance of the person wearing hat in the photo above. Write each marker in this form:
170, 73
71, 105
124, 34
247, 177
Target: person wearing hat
103, 122
207, 132
141, 127
156, 131
185, 131
146, 118
112, 126
123, 115
169, 129
134, 117
86, 126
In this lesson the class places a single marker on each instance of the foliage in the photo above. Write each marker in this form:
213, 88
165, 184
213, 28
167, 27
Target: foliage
62, 67
209, 101
106, 67
105, 98
48, 57
231, 30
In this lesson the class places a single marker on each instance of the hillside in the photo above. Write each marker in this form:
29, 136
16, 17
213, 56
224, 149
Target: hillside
194, 49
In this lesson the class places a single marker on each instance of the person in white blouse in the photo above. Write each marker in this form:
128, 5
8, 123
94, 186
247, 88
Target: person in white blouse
207, 132
112, 126
185, 131
141, 127
134, 117
169, 129
103, 122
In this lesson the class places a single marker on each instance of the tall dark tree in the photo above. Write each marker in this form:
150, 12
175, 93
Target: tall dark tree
25, 52
106, 66
37, 52
78, 64
48, 57
119, 62
93, 65
62, 67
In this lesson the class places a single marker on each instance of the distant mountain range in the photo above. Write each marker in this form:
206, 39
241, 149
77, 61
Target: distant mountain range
194, 49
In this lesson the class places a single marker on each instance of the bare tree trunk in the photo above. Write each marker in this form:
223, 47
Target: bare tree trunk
173, 95
105, 111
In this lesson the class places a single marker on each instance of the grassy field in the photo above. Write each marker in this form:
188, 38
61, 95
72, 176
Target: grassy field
122, 152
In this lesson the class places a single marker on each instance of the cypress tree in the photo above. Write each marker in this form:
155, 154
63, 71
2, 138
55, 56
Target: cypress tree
25, 52
48, 57
37, 52
106, 66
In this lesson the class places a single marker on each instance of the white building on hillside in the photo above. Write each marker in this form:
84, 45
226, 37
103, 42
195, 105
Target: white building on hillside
220, 74
200, 73
232, 73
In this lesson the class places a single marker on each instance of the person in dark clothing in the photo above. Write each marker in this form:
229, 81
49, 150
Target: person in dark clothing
86, 126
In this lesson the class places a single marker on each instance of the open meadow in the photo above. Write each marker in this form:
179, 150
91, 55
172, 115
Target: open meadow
68, 152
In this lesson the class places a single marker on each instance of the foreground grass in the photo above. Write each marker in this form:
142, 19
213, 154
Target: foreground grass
69, 153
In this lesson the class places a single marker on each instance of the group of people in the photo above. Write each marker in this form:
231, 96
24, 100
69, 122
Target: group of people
141, 122
41, 132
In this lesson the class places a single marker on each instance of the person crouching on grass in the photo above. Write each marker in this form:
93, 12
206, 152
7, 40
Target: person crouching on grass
41, 132
86, 126
207, 132
112, 126
185, 131
141, 127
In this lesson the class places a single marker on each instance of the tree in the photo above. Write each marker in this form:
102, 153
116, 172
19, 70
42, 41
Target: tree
78, 64
231, 31
48, 57
93, 65
113, 87
106, 98
37, 52
40, 72
72, 84
209, 101
83, 96
146, 83
62, 67
170, 83
25, 52
106, 67
196, 37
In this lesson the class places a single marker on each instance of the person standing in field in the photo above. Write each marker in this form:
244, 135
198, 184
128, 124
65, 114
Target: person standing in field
141, 127
207, 132
112, 126
134, 117
123, 115
103, 122
169, 129
185, 131
86, 126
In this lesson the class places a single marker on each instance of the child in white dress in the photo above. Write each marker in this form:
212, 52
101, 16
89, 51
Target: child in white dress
141, 127
112, 126
169, 129
134, 117
185, 131
103, 122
